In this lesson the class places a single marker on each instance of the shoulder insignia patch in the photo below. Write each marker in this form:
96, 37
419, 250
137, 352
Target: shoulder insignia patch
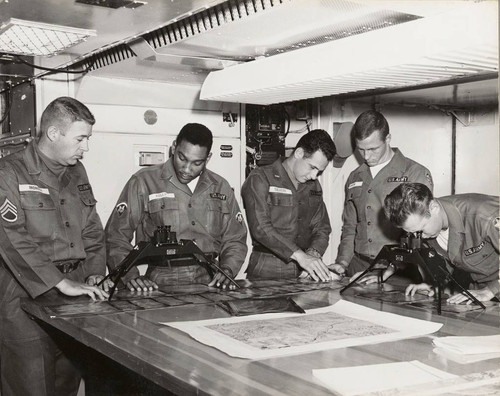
316, 193
8, 211
403, 179
497, 223
220, 196
121, 207
474, 249
239, 217
84, 187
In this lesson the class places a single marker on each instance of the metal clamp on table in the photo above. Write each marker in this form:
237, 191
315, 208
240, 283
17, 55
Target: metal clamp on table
164, 244
412, 249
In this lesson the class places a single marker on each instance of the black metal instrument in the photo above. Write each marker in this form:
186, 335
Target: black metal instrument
164, 245
412, 249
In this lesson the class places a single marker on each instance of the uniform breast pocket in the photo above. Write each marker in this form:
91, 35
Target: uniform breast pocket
40, 213
315, 201
281, 199
88, 198
281, 209
217, 215
164, 212
355, 196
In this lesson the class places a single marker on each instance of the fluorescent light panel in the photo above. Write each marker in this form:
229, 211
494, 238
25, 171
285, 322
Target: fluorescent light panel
442, 47
32, 38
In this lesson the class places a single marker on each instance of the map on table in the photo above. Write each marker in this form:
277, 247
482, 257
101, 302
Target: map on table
302, 330
340, 325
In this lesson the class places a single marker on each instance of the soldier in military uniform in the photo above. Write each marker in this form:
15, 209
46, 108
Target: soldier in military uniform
195, 202
463, 228
286, 214
51, 240
365, 229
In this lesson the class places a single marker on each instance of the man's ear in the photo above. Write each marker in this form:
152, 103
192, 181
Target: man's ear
208, 158
298, 153
53, 133
171, 149
433, 206
388, 138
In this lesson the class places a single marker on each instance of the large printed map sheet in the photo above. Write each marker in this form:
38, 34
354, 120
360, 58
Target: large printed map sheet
337, 326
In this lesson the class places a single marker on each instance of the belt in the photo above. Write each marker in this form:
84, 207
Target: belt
262, 249
364, 257
67, 266
186, 261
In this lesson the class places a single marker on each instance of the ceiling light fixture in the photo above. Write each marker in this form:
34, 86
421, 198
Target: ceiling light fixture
33, 38
460, 43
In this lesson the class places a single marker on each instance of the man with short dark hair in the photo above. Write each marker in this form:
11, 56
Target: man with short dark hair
195, 202
286, 214
51, 239
462, 228
365, 230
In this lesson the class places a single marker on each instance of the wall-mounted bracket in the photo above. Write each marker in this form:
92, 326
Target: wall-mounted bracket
468, 114
466, 120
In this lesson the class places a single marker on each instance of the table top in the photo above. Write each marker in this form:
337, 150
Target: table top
173, 360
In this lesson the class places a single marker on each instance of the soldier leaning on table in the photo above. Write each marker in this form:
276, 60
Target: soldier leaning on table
52, 241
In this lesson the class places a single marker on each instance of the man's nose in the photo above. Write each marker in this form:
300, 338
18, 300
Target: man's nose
85, 145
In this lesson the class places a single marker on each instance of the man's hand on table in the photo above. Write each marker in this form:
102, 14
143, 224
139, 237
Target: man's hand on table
94, 280
221, 281
484, 294
141, 283
314, 266
72, 288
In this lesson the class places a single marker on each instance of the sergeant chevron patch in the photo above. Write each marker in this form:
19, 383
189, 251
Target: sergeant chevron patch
8, 211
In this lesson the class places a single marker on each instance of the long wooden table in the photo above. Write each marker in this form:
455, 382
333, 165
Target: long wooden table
181, 365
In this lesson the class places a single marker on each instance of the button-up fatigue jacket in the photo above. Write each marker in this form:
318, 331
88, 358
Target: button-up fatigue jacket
281, 218
365, 228
154, 197
44, 220
473, 223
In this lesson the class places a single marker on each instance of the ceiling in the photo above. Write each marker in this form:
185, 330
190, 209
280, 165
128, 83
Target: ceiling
184, 40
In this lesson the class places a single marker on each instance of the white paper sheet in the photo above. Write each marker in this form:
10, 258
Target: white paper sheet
465, 358
340, 325
470, 345
357, 380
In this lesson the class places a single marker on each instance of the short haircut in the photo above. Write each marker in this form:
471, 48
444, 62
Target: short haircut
369, 122
317, 140
405, 200
62, 112
196, 134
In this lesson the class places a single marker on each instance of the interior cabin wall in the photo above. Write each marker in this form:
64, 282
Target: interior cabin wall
477, 153
424, 135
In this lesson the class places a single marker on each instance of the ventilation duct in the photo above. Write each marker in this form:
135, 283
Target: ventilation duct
147, 45
450, 45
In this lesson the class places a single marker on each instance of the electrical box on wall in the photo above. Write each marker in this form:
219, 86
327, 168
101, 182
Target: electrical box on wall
22, 117
265, 135
150, 155
18, 118
148, 158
